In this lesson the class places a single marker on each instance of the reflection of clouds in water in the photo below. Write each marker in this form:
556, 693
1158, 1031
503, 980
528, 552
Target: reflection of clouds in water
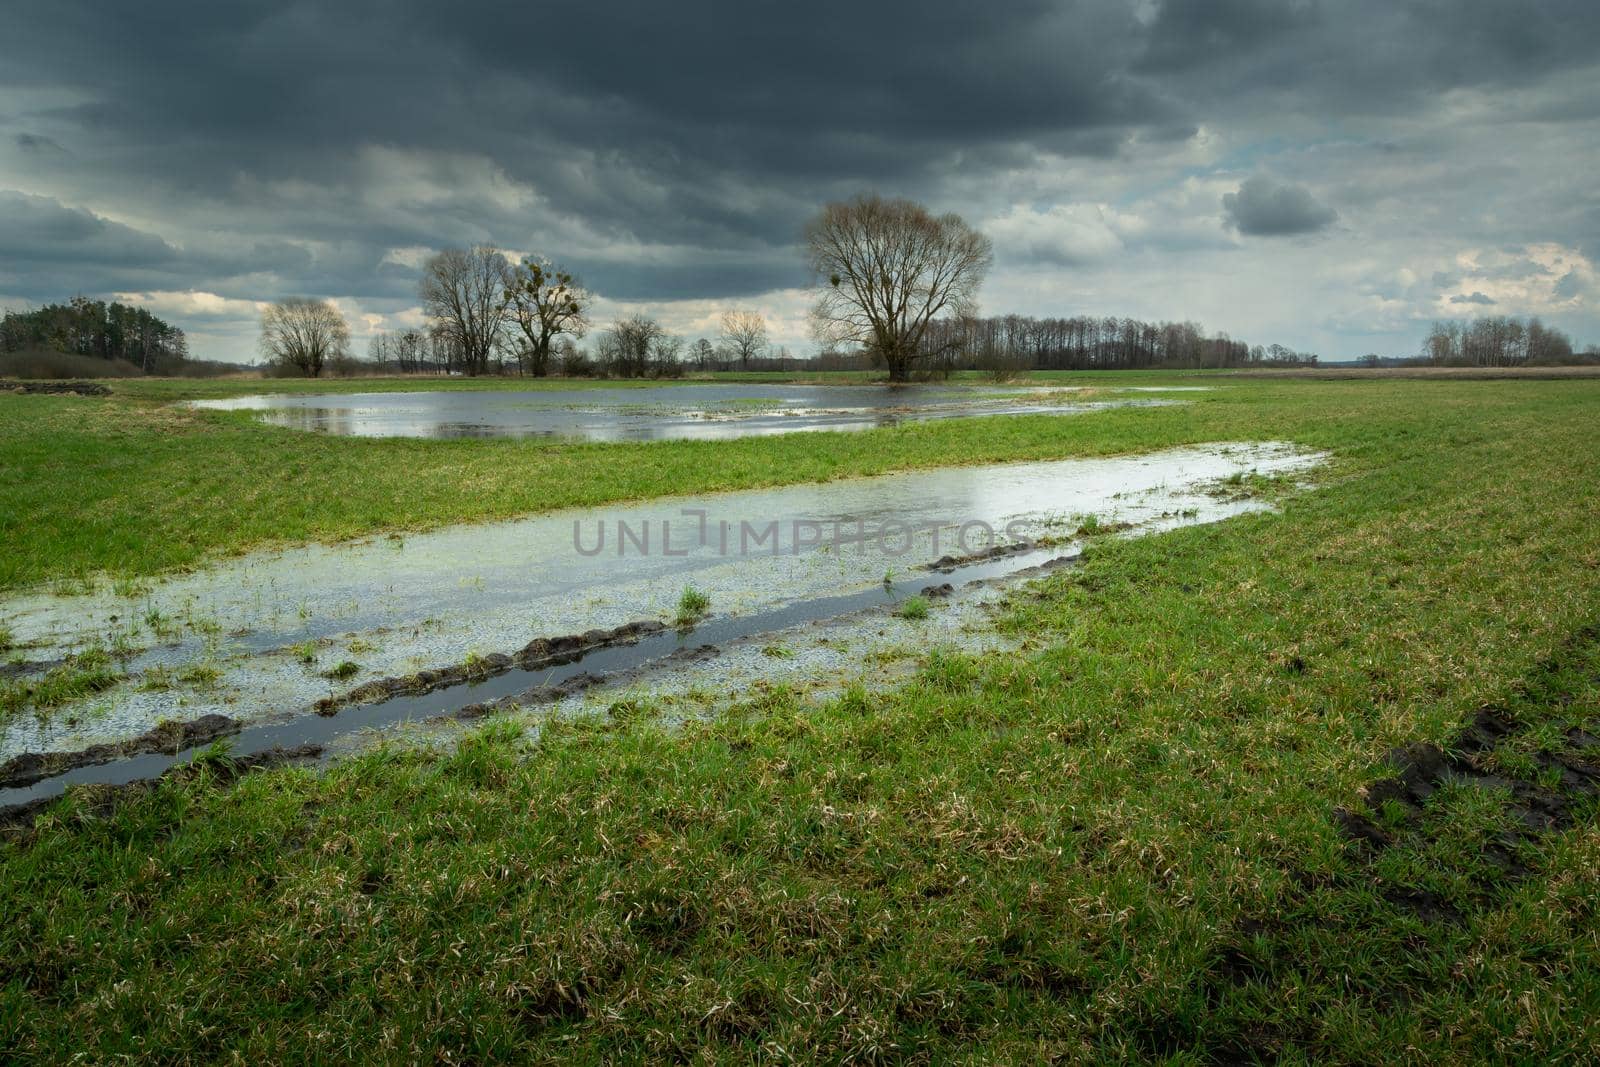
427, 599
652, 413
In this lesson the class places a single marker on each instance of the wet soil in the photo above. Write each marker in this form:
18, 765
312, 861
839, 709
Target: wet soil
17, 820
58, 388
1270, 951
172, 738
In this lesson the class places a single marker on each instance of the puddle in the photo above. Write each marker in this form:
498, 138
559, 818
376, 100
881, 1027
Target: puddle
651, 413
394, 606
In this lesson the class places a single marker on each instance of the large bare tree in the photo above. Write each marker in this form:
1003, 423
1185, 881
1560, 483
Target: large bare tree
463, 289
545, 302
886, 269
745, 335
304, 333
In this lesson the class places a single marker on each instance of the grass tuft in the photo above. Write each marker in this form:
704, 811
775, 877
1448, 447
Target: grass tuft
915, 607
692, 606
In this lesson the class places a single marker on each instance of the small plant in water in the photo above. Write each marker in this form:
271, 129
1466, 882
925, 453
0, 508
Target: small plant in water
475, 665
200, 675
79, 675
122, 646
157, 679
778, 652
914, 608
343, 672
305, 652
161, 625
692, 606
75, 585
130, 588
8, 639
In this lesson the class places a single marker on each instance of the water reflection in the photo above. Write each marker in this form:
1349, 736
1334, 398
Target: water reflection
677, 412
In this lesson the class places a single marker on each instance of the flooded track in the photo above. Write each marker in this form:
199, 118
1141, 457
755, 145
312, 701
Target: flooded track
487, 593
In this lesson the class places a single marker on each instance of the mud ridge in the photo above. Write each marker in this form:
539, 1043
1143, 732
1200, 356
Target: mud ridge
60, 388
539, 653
945, 564
170, 737
16, 820
539, 694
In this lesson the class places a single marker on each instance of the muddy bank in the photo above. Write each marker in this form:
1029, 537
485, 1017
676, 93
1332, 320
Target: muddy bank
58, 388
172, 737
16, 820
537, 654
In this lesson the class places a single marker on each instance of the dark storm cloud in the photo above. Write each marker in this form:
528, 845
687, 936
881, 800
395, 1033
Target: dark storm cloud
1266, 208
38, 228
664, 150
1363, 57
32, 142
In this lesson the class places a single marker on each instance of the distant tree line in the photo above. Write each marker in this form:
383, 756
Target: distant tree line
1498, 341
1087, 342
97, 329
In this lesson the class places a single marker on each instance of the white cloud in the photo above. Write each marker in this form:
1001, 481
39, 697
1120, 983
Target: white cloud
195, 304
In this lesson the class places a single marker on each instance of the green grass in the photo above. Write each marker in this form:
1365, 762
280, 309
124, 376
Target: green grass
915, 607
200, 675
692, 606
1118, 846
90, 486
345, 671
79, 675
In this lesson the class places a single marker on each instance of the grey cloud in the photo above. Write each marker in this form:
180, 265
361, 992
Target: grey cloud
1474, 298
40, 228
1266, 208
676, 150
32, 142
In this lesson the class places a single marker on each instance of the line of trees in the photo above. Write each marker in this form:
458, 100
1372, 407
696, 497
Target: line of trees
1496, 341
97, 329
896, 285
1087, 342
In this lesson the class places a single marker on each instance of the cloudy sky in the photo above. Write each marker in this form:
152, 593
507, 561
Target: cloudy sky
1329, 175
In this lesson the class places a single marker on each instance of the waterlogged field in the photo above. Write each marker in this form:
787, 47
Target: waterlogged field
1314, 781
694, 411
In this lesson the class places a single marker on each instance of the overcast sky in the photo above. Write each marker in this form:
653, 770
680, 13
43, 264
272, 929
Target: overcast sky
1328, 175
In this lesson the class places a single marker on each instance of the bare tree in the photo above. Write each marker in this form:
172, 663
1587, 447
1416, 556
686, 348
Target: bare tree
704, 354
744, 333
464, 290
886, 269
304, 333
544, 302
627, 346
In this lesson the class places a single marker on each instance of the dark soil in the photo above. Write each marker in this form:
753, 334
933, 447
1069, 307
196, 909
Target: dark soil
59, 388
31, 767
17, 819
538, 653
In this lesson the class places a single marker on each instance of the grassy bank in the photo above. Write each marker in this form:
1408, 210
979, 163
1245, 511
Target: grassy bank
1123, 846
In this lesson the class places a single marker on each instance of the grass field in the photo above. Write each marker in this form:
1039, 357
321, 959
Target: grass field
1147, 840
